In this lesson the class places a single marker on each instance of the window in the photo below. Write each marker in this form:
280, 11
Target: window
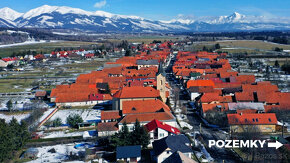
270, 120
253, 120
257, 120
161, 135
246, 120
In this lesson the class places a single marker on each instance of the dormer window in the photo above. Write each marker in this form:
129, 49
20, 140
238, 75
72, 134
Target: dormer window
133, 108
270, 120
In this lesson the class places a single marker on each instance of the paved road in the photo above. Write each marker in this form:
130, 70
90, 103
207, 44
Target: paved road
207, 134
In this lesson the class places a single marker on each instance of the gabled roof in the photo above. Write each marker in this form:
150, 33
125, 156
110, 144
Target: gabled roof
212, 97
173, 143
147, 117
128, 151
244, 96
108, 115
107, 126
137, 92
143, 106
252, 119
157, 124
199, 83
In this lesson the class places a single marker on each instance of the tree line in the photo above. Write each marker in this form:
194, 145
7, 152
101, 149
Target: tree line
13, 136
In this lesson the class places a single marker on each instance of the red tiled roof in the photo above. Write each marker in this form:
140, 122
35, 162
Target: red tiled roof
252, 119
244, 96
192, 83
137, 92
143, 106
108, 115
157, 124
147, 117
246, 79
211, 97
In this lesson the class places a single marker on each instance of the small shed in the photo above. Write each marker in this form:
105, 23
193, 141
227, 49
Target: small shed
129, 153
40, 94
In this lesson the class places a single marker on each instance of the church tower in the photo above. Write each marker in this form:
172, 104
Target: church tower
161, 80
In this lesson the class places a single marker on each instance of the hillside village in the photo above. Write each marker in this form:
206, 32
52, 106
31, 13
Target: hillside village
163, 95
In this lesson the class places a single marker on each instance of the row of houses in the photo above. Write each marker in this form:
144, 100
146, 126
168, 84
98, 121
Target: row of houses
215, 87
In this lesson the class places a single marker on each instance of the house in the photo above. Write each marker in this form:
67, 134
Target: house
107, 128
110, 115
133, 93
253, 122
129, 153
196, 91
178, 157
143, 106
147, 63
40, 95
164, 147
198, 83
158, 130
145, 118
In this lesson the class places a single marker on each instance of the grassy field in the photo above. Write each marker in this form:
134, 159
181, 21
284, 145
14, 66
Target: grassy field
12, 85
44, 47
240, 46
253, 44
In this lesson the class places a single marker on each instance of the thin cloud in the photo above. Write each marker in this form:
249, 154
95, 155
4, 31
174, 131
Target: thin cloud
100, 4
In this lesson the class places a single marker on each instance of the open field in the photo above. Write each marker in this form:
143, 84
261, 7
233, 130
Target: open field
145, 39
12, 85
42, 47
254, 44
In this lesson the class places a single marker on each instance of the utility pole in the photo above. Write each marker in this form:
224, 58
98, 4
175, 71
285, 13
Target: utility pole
200, 127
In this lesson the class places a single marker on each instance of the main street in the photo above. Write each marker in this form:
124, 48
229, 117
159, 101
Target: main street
218, 154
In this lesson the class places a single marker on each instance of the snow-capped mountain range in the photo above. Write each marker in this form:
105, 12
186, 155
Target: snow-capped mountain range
100, 21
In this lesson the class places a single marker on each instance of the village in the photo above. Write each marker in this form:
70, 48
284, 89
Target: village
154, 103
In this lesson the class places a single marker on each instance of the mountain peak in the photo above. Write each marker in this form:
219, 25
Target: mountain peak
9, 14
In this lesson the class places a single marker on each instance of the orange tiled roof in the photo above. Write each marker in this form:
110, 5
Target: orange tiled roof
214, 97
137, 92
252, 119
244, 96
143, 106
108, 115
246, 79
147, 117
192, 83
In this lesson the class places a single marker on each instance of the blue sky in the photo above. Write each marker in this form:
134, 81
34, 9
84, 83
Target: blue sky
164, 9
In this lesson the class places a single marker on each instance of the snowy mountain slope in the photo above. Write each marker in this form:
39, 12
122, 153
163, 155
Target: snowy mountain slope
100, 21
9, 14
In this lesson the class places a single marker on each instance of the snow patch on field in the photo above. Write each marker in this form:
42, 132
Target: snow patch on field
59, 156
18, 117
61, 134
86, 114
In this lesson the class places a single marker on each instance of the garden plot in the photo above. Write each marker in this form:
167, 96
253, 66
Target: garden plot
86, 114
